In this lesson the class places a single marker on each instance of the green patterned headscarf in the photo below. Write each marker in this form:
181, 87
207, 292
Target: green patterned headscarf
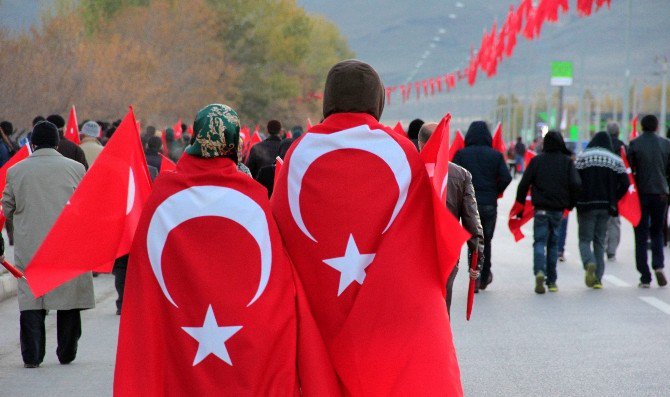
217, 132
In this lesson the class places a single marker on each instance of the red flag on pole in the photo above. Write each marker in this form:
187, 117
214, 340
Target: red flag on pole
629, 205
633, 133
499, 142
278, 164
398, 128
456, 145
71, 128
119, 178
177, 129
164, 150
520, 215
23, 153
167, 165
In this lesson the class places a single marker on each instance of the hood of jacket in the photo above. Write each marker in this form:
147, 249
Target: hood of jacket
478, 135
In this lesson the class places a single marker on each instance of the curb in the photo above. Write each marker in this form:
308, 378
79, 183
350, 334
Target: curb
8, 286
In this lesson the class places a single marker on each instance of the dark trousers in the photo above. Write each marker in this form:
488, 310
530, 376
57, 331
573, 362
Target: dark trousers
487, 215
545, 245
650, 227
33, 335
120, 267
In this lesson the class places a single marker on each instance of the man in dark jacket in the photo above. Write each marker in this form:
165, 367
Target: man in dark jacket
266, 175
649, 156
554, 185
152, 152
490, 178
604, 183
614, 223
519, 154
265, 153
68, 149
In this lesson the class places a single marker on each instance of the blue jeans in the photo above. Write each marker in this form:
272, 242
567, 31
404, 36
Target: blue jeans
545, 247
520, 163
593, 230
563, 234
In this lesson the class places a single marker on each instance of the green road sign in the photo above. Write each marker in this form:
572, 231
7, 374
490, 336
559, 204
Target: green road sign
561, 73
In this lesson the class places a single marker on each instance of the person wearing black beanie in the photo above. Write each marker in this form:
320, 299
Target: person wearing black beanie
68, 149
45, 135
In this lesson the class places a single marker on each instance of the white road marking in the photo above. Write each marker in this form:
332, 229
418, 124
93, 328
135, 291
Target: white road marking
657, 303
615, 280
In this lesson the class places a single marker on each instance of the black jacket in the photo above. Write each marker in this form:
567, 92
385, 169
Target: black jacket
551, 176
153, 159
603, 175
72, 151
649, 157
263, 154
490, 175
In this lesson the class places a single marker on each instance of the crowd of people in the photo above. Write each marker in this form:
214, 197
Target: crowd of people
593, 181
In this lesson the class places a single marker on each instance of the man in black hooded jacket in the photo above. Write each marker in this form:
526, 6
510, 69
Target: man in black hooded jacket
490, 178
555, 187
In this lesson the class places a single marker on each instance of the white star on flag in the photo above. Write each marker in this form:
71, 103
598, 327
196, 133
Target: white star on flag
211, 338
351, 266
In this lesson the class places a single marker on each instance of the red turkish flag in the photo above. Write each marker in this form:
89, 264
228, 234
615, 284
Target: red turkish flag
398, 128
167, 165
498, 141
23, 153
633, 133
177, 129
349, 201
456, 145
71, 132
278, 164
164, 142
217, 312
119, 178
629, 205
527, 211
584, 7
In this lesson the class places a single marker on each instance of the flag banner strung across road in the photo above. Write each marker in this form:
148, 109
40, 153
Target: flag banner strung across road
23, 153
629, 205
71, 132
98, 223
349, 201
216, 309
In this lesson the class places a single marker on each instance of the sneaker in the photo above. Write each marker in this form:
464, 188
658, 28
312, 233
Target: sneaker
590, 277
611, 257
539, 283
484, 284
561, 257
26, 365
660, 278
643, 285
552, 287
598, 285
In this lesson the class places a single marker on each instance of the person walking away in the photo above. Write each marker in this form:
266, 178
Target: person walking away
554, 184
264, 153
153, 150
6, 146
90, 144
520, 155
462, 204
65, 147
266, 175
490, 177
36, 191
604, 183
614, 223
649, 157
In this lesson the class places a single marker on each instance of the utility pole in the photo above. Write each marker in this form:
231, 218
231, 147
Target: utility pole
664, 94
625, 127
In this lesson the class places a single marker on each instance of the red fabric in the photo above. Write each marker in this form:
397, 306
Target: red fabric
456, 145
435, 154
629, 205
388, 334
189, 129
309, 124
165, 144
23, 153
527, 157
633, 133
71, 132
600, 3
167, 165
102, 201
209, 260
519, 216
177, 129
471, 286
584, 7
498, 141
278, 164
398, 129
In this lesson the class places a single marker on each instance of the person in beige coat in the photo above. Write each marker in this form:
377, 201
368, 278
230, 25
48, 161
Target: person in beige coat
90, 144
35, 193
461, 202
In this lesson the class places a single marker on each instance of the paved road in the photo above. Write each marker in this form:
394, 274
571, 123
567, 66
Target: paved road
577, 342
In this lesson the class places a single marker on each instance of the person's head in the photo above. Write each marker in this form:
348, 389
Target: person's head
274, 127
296, 131
425, 132
91, 129
601, 140
353, 86
478, 134
56, 120
553, 142
169, 134
518, 139
37, 120
44, 136
151, 130
613, 130
7, 128
649, 123
154, 144
216, 132
413, 128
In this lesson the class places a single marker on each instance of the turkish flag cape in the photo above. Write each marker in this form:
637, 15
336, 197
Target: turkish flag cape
456, 145
23, 153
351, 197
210, 307
71, 132
629, 205
109, 198
167, 165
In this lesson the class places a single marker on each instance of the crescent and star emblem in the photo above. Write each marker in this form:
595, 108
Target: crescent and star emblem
205, 201
352, 264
